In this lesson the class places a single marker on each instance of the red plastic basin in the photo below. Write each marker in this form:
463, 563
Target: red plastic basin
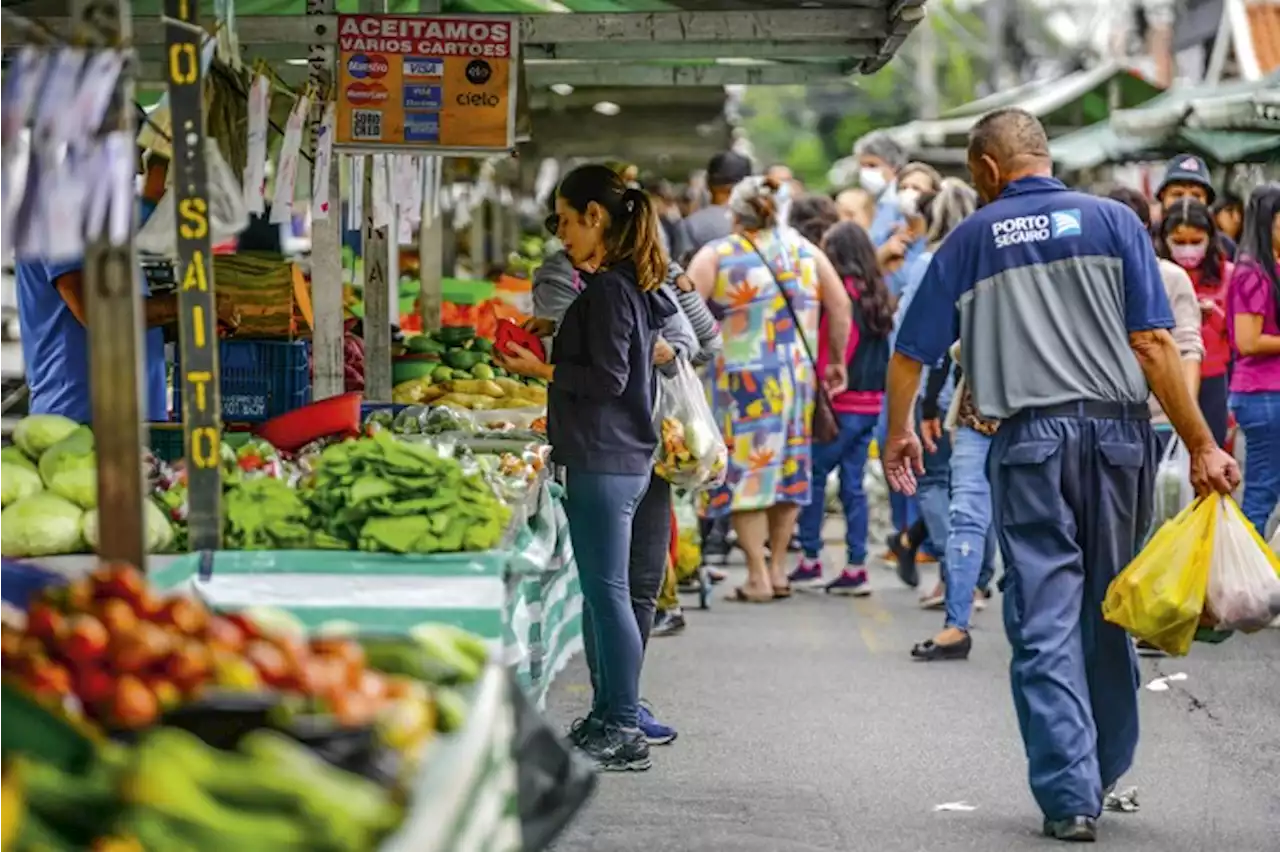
337, 415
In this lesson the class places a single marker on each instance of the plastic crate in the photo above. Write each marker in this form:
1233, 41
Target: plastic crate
260, 379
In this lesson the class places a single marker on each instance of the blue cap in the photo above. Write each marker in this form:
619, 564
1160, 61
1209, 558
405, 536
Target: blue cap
1187, 168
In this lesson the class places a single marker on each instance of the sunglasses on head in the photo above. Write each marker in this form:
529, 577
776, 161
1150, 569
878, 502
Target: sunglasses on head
551, 223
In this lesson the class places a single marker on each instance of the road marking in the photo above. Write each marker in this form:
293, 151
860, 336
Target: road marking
869, 638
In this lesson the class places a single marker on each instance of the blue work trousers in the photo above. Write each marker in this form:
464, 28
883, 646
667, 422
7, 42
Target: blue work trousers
902, 509
1258, 415
1072, 498
971, 540
600, 508
848, 454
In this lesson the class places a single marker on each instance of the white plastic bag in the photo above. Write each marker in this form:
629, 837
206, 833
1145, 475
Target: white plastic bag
691, 452
227, 213
1173, 483
1244, 577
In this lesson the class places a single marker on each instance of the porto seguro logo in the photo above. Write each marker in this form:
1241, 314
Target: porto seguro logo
1066, 223
363, 65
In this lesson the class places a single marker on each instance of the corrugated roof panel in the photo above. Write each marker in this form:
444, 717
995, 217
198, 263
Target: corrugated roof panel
1264, 31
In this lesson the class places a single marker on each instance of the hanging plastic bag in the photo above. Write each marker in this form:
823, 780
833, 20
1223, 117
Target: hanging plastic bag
691, 452
1160, 595
1173, 482
227, 213
1244, 581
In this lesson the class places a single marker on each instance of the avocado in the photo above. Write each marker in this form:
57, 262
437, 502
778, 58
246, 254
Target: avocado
482, 371
456, 335
482, 344
423, 345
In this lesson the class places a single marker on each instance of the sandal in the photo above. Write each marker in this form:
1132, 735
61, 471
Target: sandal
782, 592
741, 595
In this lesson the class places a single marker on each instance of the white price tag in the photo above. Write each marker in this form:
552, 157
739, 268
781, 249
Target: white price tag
58, 90
94, 96
62, 212
287, 170
255, 178
22, 82
382, 211
320, 169
28, 240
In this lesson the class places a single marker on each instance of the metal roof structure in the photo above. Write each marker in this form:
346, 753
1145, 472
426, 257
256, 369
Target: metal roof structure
636, 43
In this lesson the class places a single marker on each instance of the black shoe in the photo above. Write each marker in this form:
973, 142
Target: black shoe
668, 622
1080, 829
930, 651
582, 729
616, 750
907, 571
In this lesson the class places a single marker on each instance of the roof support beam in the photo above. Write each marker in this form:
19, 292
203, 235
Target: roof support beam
547, 29
635, 74
831, 49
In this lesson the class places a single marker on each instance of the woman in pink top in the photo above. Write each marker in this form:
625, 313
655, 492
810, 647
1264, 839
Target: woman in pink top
1253, 314
857, 409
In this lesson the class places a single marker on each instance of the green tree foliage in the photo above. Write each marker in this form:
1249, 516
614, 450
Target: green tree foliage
810, 127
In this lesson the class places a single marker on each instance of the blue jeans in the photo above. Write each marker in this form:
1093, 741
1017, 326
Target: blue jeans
902, 509
933, 494
970, 541
600, 508
848, 452
1258, 415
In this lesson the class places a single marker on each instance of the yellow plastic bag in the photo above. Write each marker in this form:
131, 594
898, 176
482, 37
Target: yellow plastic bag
1159, 596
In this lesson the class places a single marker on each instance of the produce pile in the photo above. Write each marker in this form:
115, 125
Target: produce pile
454, 367
244, 732
50, 485
374, 493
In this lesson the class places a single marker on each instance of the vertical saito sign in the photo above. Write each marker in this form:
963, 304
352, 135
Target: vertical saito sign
197, 309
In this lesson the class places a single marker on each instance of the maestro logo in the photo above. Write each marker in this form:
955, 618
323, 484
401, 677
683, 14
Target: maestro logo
363, 65
362, 94
478, 72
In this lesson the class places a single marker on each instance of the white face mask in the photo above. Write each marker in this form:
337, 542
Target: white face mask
872, 180
909, 202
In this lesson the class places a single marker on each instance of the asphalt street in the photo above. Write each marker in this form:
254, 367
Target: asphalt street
805, 726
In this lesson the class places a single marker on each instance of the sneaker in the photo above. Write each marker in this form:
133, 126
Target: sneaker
852, 581
1080, 829
667, 622
582, 729
654, 731
614, 749
979, 600
807, 573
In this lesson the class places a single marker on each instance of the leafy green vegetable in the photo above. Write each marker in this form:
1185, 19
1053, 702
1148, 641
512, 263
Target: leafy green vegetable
40, 525
160, 535
70, 468
39, 432
17, 482
15, 456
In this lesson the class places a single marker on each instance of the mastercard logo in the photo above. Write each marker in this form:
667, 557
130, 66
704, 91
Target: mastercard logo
366, 93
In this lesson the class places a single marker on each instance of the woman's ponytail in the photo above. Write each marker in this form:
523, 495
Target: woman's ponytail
640, 239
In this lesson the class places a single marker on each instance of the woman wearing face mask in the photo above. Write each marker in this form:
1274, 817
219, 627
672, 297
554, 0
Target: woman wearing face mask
600, 424
1253, 312
1189, 237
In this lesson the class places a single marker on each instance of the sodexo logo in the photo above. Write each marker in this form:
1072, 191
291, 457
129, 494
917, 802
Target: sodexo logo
1066, 223
363, 65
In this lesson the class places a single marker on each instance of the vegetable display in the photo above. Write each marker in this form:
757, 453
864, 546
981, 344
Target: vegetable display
455, 368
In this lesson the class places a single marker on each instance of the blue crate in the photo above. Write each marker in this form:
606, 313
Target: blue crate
260, 379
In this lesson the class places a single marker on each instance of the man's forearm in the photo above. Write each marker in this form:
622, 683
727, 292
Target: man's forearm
901, 385
1158, 356
161, 310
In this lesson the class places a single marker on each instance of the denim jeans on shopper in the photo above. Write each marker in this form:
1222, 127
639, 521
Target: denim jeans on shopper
848, 454
933, 493
600, 508
1258, 415
902, 509
970, 544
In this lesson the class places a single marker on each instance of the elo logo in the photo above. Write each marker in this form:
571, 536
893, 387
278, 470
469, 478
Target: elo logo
478, 72
364, 65
479, 99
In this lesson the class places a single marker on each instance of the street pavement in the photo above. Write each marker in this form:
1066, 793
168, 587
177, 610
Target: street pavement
805, 726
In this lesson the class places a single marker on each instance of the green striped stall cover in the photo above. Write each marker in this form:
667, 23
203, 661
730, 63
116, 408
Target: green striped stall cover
465, 798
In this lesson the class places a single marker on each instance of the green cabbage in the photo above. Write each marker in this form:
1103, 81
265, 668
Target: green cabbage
15, 456
159, 531
40, 525
39, 432
70, 468
17, 482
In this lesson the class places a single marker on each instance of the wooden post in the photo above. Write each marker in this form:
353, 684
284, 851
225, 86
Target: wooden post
431, 231
326, 234
197, 306
115, 327
375, 244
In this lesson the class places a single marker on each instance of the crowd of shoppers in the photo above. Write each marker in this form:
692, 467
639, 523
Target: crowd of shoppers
791, 305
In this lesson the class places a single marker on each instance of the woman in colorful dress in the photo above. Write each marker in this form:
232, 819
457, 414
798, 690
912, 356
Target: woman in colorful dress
764, 278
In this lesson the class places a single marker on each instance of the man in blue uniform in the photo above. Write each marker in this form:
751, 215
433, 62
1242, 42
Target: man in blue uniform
1062, 319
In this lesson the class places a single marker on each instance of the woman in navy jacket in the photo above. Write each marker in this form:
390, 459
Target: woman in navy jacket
600, 424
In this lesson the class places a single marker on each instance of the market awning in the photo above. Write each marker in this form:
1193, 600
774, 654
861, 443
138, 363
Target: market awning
1080, 98
597, 42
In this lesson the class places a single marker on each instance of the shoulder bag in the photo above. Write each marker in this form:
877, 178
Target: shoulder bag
826, 427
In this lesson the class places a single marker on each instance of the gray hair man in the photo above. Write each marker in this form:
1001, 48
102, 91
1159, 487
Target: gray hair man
1064, 324
880, 158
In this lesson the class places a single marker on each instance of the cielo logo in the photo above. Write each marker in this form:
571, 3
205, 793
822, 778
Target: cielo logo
478, 99
363, 65
366, 93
